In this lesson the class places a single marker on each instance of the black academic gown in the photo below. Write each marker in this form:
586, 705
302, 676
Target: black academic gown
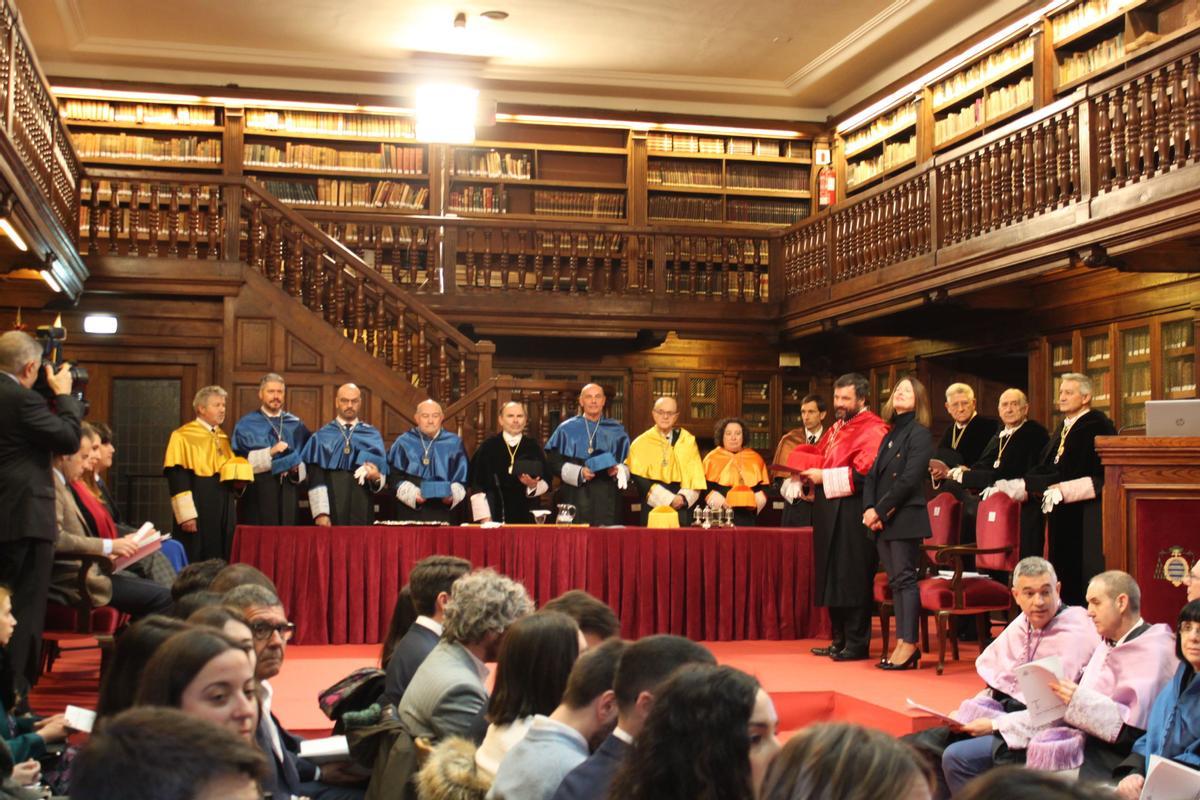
1076, 529
1021, 453
971, 444
505, 493
216, 513
349, 503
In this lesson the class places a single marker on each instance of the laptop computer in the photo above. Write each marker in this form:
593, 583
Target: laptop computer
1173, 417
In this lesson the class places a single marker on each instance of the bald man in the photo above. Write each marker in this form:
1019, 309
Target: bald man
588, 452
428, 468
508, 471
666, 465
346, 465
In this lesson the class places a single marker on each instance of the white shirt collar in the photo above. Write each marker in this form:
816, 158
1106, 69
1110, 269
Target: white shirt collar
510, 440
622, 734
429, 623
962, 425
817, 433
62, 479
269, 415
1140, 622
1069, 421
1010, 430
207, 427
342, 423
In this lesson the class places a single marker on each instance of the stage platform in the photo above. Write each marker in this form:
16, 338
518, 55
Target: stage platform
805, 688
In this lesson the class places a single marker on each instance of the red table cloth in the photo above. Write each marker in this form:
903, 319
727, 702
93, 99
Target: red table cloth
339, 584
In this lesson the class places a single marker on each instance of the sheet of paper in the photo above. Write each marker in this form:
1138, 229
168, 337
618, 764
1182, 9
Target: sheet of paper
80, 719
1170, 780
933, 712
320, 751
1034, 678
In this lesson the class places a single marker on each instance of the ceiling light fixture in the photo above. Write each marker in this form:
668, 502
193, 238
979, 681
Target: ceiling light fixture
6, 213
50, 280
100, 324
446, 113
947, 67
495, 16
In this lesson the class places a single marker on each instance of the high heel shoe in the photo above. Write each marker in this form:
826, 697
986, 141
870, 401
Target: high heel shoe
911, 663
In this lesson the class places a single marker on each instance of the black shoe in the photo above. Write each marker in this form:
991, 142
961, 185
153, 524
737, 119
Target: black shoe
849, 655
911, 663
831, 650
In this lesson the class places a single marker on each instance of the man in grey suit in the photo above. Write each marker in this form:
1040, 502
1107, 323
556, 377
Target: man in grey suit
447, 696
30, 435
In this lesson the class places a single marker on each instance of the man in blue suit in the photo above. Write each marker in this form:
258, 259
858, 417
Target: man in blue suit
429, 583
644, 665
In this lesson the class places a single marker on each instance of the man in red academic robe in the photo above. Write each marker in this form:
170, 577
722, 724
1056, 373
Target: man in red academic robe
844, 550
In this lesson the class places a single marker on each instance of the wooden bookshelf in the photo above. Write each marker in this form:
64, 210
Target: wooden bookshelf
881, 147
988, 91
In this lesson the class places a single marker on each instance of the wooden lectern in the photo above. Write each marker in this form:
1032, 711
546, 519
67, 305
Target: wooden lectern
1152, 515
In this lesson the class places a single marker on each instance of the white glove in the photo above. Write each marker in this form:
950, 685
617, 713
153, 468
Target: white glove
622, 477
1051, 498
360, 475
956, 474
715, 499
457, 493
760, 501
790, 489
408, 493
1014, 488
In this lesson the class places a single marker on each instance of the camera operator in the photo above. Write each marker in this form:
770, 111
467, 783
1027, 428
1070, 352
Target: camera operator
30, 434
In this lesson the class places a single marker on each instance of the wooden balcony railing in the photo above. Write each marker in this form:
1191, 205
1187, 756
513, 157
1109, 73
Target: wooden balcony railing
547, 403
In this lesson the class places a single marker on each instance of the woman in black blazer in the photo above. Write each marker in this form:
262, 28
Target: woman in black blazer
894, 508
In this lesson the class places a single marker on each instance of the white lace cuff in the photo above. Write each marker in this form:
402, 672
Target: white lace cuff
407, 493
184, 507
1095, 714
837, 482
457, 493
539, 490
318, 501
260, 460
659, 495
690, 496
480, 510
571, 474
1077, 490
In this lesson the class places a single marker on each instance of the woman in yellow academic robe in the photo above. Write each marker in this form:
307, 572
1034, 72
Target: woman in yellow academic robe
733, 465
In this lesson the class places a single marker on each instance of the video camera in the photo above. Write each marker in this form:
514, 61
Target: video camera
51, 338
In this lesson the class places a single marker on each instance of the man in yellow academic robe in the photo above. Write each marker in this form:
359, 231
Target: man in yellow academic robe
202, 474
665, 464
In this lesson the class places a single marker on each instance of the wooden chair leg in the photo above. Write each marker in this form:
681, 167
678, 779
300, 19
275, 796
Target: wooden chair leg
885, 626
983, 627
953, 627
925, 632
941, 635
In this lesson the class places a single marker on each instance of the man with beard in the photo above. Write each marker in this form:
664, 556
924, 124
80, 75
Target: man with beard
271, 440
588, 452
288, 774
447, 695
844, 551
507, 471
558, 743
346, 465
428, 467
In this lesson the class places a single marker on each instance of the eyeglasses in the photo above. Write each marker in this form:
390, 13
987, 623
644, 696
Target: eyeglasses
262, 630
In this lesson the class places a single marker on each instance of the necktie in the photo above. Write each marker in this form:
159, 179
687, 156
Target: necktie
812, 438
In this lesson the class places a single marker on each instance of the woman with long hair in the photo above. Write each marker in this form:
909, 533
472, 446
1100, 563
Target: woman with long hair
894, 509
134, 648
535, 660
710, 736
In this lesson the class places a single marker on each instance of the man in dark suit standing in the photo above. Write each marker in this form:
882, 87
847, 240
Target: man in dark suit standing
30, 435
429, 582
644, 665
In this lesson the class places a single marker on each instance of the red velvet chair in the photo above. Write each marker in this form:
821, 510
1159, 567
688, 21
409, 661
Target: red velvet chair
70, 622
997, 547
945, 521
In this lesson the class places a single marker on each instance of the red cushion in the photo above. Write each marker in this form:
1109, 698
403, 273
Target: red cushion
883, 592
105, 619
937, 595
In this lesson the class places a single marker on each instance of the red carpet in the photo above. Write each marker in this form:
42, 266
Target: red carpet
805, 688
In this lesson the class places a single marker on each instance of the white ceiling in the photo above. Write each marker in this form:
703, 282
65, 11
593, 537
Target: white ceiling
760, 58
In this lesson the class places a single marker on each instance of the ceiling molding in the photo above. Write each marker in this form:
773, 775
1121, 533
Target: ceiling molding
852, 44
71, 17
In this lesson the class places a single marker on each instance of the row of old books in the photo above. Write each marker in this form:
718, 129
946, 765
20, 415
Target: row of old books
771, 212
138, 113
894, 154
677, 172
952, 124
367, 125
492, 164
148, 148
1005, 98
479, 200
882, 127
373, 236
681, 207
102, 191
1077, 65
1083, 15
362, 194
753, 176
730, 145
389, 158
606, 205
982, 71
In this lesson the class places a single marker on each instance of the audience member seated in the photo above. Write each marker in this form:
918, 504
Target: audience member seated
206, 674
135, 596
192, 602
14, 778
450, 773
1108, 709
136, 645
288, 773
26, 735
404, 614
1045, 627
235, 575
556, 744
711, 733
1027, 784
429, 584
644, 665
847, 762
532, 669
597, 621
195, 577
165, 754
228, 621
447, 695
1173, 730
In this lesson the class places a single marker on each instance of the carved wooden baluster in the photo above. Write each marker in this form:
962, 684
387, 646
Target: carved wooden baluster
467, 251
406, 342
956, 201
572, 240
596, 281
1162, 122
539, 259
1117, 124
487, 258
193, 222
114, 220
316, 294
1028, 177
294, 283
1133, 130
443, 380
1178, 116
359, 317
214, 222
432, 263
1073, 154
1146, 140
422, 356
556, 244
985, 190
173, 222
607, 245
274, 245
897, 228
1192, 116
1038, 193
504, 267
522, 261
136, 244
